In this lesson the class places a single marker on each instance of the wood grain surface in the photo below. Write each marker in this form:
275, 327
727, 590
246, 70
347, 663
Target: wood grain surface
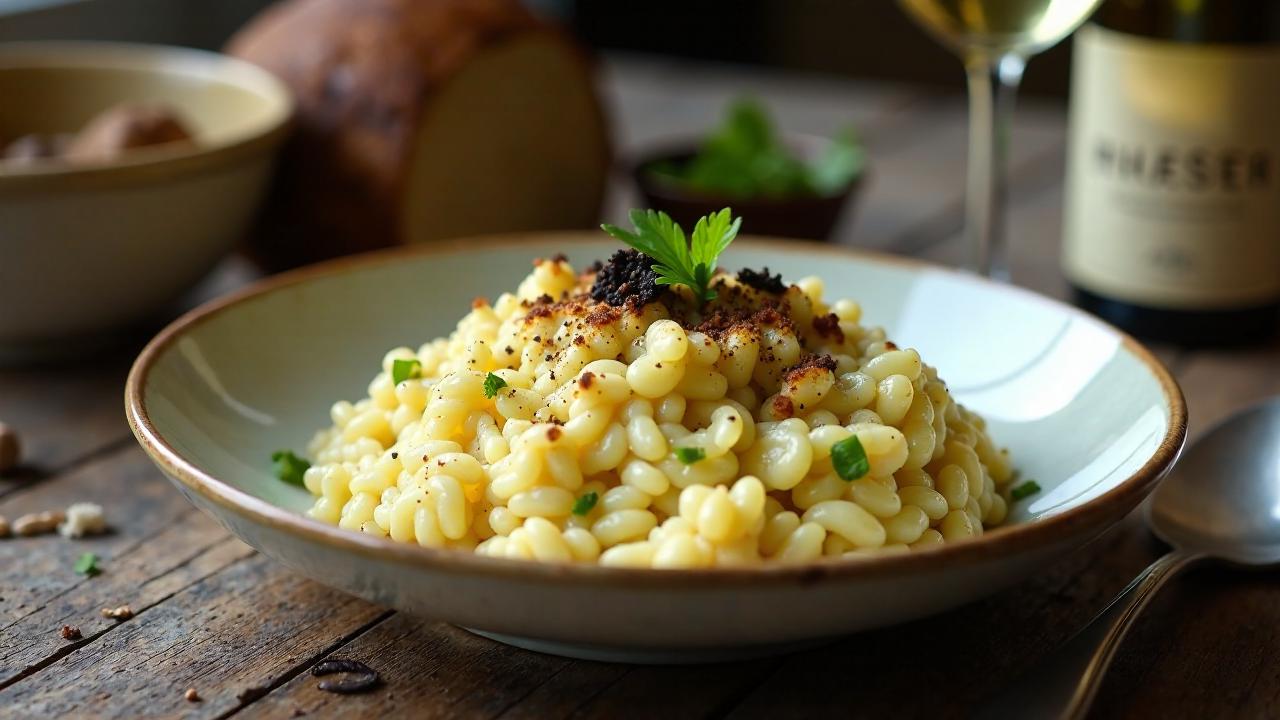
212, 615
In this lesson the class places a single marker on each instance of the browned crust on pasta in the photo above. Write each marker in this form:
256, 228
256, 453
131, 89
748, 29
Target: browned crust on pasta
828, 326
783, 407
810, 365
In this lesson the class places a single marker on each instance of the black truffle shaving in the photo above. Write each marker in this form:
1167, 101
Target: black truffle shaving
359, 677
762, 280
627, 277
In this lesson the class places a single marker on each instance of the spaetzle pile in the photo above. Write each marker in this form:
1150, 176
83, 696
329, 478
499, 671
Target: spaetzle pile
600, 418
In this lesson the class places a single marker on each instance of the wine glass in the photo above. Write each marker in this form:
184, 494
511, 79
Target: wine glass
994, 38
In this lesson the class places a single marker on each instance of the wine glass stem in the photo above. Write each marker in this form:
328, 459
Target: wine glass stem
993, 86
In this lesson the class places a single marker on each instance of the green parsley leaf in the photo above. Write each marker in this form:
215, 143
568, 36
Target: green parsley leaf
87, 565
1024, 490
838, 165
690, 455
746, 157
492, 384
850, 459
289, 467
662, 239
583, 505
402, 370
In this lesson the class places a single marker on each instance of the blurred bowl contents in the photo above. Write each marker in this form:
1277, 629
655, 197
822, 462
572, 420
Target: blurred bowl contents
125, 127
133, 169
421, 120
789, 185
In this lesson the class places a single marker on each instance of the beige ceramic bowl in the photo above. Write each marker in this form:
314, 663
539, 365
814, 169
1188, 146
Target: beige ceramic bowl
87, 249
1085, 410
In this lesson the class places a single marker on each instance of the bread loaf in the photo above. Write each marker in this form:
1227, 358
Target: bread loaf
419, 120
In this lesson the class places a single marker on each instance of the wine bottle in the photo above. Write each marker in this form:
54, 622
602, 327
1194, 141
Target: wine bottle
1172, 217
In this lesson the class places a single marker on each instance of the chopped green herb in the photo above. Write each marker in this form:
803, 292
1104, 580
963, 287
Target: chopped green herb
690, 455
850, 459
680, 262
402, 370
745, 157
87, 564
492, 384
584, 504
839, 165
1024, 490
289, 467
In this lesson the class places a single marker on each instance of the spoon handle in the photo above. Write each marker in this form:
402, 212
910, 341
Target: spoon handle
1064, 684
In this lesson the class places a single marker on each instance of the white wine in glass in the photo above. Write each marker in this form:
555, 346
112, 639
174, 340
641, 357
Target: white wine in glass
994, 38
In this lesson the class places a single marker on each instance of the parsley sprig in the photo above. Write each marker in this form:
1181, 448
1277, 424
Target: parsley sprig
689, 262
849, 459
585, 504
747, 157
402, 370
289, 467
492, 384
87, 564
690, 455
1024, 490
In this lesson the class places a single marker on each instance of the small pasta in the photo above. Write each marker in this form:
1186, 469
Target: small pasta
649, 435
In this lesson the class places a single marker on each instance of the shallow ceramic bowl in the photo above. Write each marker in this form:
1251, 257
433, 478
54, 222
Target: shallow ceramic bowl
88, 248
1085, 411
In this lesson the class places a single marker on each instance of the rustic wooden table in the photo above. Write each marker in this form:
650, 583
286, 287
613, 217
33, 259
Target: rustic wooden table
213, 615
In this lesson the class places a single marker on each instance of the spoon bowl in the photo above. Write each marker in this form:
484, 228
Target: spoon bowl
1223, 498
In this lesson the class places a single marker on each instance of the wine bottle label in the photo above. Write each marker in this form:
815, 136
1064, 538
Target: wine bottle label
1173, 172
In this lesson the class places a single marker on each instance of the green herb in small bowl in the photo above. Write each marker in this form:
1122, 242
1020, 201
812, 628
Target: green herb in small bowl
788, 185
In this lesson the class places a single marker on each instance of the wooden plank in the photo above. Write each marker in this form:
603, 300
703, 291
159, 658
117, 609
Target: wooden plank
1219, 382
945, 665
428, 669
187, 551
63, 414
439, 671
573, 687
232, 636
138, 502
1207, 648
685, 691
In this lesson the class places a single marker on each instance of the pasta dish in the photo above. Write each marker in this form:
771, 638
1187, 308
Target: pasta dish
634, 413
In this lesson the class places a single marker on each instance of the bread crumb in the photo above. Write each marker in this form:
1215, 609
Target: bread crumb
124, 612
191, 695
71, 632
39, 523
83, 518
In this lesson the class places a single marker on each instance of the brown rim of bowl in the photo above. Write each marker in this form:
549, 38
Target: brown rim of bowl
158, 163
1113, 504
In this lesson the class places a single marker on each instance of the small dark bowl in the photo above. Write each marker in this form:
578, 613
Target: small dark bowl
811, 217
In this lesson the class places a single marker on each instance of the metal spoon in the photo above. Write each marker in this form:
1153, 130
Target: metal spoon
1221, 502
